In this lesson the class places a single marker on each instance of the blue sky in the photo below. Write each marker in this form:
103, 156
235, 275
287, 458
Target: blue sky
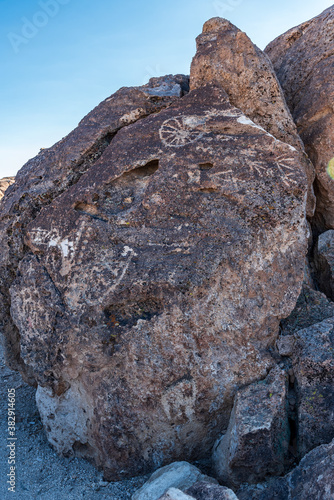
60, 58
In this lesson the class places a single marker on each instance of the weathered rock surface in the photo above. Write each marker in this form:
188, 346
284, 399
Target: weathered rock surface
225, 55
178, 475
313, 366
168, 266
312, 307
303, 58
256, 442
5, 182
175, 494
55, 169
149, 275
313, 478
324, 261
206, 491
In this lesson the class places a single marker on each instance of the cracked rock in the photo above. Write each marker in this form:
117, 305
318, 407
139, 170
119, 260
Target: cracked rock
324, 261
256, 442
313, 366
226, 56
303, 59
313, 478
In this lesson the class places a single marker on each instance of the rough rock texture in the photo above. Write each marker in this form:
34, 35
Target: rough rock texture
175, 494
168, 266
5, 182
303, 58
312, 307
256, 442
179, 475
206, 491
313, 479
313, 366
324, 262
225, 55
149, 274
55, 169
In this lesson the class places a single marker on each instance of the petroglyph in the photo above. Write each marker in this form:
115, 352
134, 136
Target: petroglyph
67, 248
182, 130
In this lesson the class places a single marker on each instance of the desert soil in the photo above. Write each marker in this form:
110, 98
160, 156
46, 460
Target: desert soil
40, 473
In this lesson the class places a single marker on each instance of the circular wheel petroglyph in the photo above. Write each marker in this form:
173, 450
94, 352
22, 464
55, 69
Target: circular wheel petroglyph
181, 130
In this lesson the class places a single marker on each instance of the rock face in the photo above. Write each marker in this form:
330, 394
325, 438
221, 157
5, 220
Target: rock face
324, 261
225, 55
303, 59
151, 272
313, 478
56, 169
5, 182
256, 442
312, 307
313, 366
312, 371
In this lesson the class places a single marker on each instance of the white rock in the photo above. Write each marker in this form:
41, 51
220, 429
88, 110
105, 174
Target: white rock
179, 475
175, 494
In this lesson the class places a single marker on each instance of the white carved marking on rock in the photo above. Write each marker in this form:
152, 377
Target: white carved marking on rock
180, 399
181, 130
286, 170
67, 248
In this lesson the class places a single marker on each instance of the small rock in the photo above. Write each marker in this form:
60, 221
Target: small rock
175, 494
285, 345
179, 475
206, 491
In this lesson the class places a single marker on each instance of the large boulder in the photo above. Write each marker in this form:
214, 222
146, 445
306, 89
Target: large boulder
55, 169
256, 442
148, 280
303, 58
225, 55
313, 478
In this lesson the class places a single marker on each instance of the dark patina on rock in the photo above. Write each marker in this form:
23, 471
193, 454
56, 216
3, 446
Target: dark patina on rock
313, 478
303, 59
161, 276
55, 169
256, 442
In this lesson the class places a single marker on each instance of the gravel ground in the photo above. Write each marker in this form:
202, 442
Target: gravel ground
40, 473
